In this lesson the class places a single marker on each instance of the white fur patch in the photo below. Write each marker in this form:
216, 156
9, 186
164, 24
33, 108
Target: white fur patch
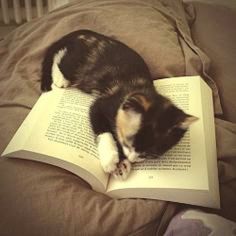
57, 76
126, 150
127, 124
132, 155
108, 152
123, 169
134, 122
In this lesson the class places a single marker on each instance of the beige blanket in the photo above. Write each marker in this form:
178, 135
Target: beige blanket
46, 200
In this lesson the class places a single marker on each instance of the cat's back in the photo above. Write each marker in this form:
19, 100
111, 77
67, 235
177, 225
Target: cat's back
93, 55
85, 56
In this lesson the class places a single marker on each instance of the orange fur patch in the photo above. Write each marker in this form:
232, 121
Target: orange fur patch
143, 101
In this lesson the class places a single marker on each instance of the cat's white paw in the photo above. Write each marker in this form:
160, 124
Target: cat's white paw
132, 155
109, 162
135, 158
108, 152
123, 169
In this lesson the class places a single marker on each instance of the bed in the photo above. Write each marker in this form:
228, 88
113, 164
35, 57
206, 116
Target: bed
175, 38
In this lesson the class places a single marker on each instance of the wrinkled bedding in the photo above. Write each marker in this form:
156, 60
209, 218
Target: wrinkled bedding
46, 200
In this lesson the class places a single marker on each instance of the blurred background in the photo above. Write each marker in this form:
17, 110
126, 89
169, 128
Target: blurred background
16, 12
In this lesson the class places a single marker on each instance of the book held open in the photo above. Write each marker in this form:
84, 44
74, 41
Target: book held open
57, 131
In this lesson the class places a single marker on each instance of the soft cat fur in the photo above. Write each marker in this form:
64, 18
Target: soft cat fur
129, 118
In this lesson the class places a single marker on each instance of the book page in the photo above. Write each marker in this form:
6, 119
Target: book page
185, 165
209, 127
22, 134
62, 133
69, 124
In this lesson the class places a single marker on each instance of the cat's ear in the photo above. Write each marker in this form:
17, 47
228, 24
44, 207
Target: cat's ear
187, 121
136, 102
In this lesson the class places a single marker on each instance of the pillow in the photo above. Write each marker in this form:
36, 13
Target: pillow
157, 30
214, 32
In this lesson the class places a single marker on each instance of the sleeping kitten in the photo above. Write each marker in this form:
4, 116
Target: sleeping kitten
129, 117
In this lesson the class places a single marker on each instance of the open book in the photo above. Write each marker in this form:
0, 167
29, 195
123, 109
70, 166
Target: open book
57, 131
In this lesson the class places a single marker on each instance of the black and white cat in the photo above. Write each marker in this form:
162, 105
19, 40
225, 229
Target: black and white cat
130, 119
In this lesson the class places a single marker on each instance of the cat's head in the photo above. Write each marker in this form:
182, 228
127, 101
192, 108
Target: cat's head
149, 126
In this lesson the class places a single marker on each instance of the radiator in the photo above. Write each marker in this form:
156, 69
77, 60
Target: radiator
19, 11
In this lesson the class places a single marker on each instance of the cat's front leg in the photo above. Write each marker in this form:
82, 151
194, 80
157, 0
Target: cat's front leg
107, 146
108, 152
110, 157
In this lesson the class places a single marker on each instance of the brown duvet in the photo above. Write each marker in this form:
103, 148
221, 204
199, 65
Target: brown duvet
39, 199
